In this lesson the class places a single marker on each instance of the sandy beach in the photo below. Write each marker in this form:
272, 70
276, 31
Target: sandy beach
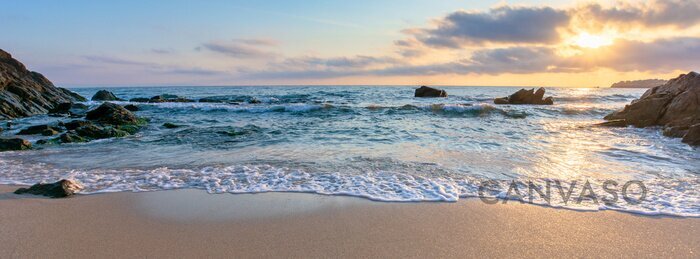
193, 223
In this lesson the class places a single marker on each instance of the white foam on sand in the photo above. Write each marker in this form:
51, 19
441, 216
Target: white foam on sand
664, 197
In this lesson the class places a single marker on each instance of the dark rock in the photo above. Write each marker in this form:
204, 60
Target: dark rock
614, 123
693, 136
674, 105
169, 125
42, 142
38, 129
24, 93
131, 107
214, 99
526, 97
109, 113
425, 91
71, 137
139, 100
97, 132
73, 109
169, 98
60, 189
254, 101
49, 132
675, 132
14, 144
104, 95
76, 124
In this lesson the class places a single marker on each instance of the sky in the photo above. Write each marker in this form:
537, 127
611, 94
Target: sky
361, 42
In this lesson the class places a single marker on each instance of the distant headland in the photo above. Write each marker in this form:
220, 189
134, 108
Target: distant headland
648, 83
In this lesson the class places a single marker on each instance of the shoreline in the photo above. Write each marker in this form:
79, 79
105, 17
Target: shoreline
190, 222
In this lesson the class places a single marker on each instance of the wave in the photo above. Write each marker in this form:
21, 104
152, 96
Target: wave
667, 197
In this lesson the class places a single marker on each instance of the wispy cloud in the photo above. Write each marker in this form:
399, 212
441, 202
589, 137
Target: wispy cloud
241, 48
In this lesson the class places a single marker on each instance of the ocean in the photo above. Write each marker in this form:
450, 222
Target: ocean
380, 143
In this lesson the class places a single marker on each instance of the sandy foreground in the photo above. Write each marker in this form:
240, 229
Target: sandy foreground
193, 223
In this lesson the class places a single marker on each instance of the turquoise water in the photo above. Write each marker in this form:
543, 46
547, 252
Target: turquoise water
374, 142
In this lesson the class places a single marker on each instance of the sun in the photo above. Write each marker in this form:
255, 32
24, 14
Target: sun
588, 40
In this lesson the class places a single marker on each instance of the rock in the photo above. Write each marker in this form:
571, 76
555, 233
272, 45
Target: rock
104, 95
425, 91
131, 107
254, 101
97, 132
76, 124
49, 132
38, 129
14, 144
674, 105
109, 113
675, 132
169, 125
693, 136
24, 93
69, 109
71, 137
169, 98
526, 97
139, 100
60, 189
613, 123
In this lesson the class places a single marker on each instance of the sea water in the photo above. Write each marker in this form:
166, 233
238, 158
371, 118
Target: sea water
380, 143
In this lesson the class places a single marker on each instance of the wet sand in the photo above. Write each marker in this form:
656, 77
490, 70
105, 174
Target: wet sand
192, 223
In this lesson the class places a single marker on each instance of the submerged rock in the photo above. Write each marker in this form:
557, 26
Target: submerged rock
169, 98
113, 114
526, 97
97, 132
37, 129
24, 93
425, 91
76, 124
104, 95
70, 109
139, 100
131, 107
674, 105
60, 189
613, 123
14, 144
169, 125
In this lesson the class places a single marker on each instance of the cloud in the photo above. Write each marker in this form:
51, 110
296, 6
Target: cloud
125, 64
663, 55
116, 61
241, 48
356, 62
502, 24
678, 13
162, 51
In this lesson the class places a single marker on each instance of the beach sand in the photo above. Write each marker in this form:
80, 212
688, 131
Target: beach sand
193, 223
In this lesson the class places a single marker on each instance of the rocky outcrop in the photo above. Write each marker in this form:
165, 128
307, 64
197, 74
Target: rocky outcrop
14, 144
24, 93
526, 97
113, 114
425, 91
674, 105
104, 95
60, 189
